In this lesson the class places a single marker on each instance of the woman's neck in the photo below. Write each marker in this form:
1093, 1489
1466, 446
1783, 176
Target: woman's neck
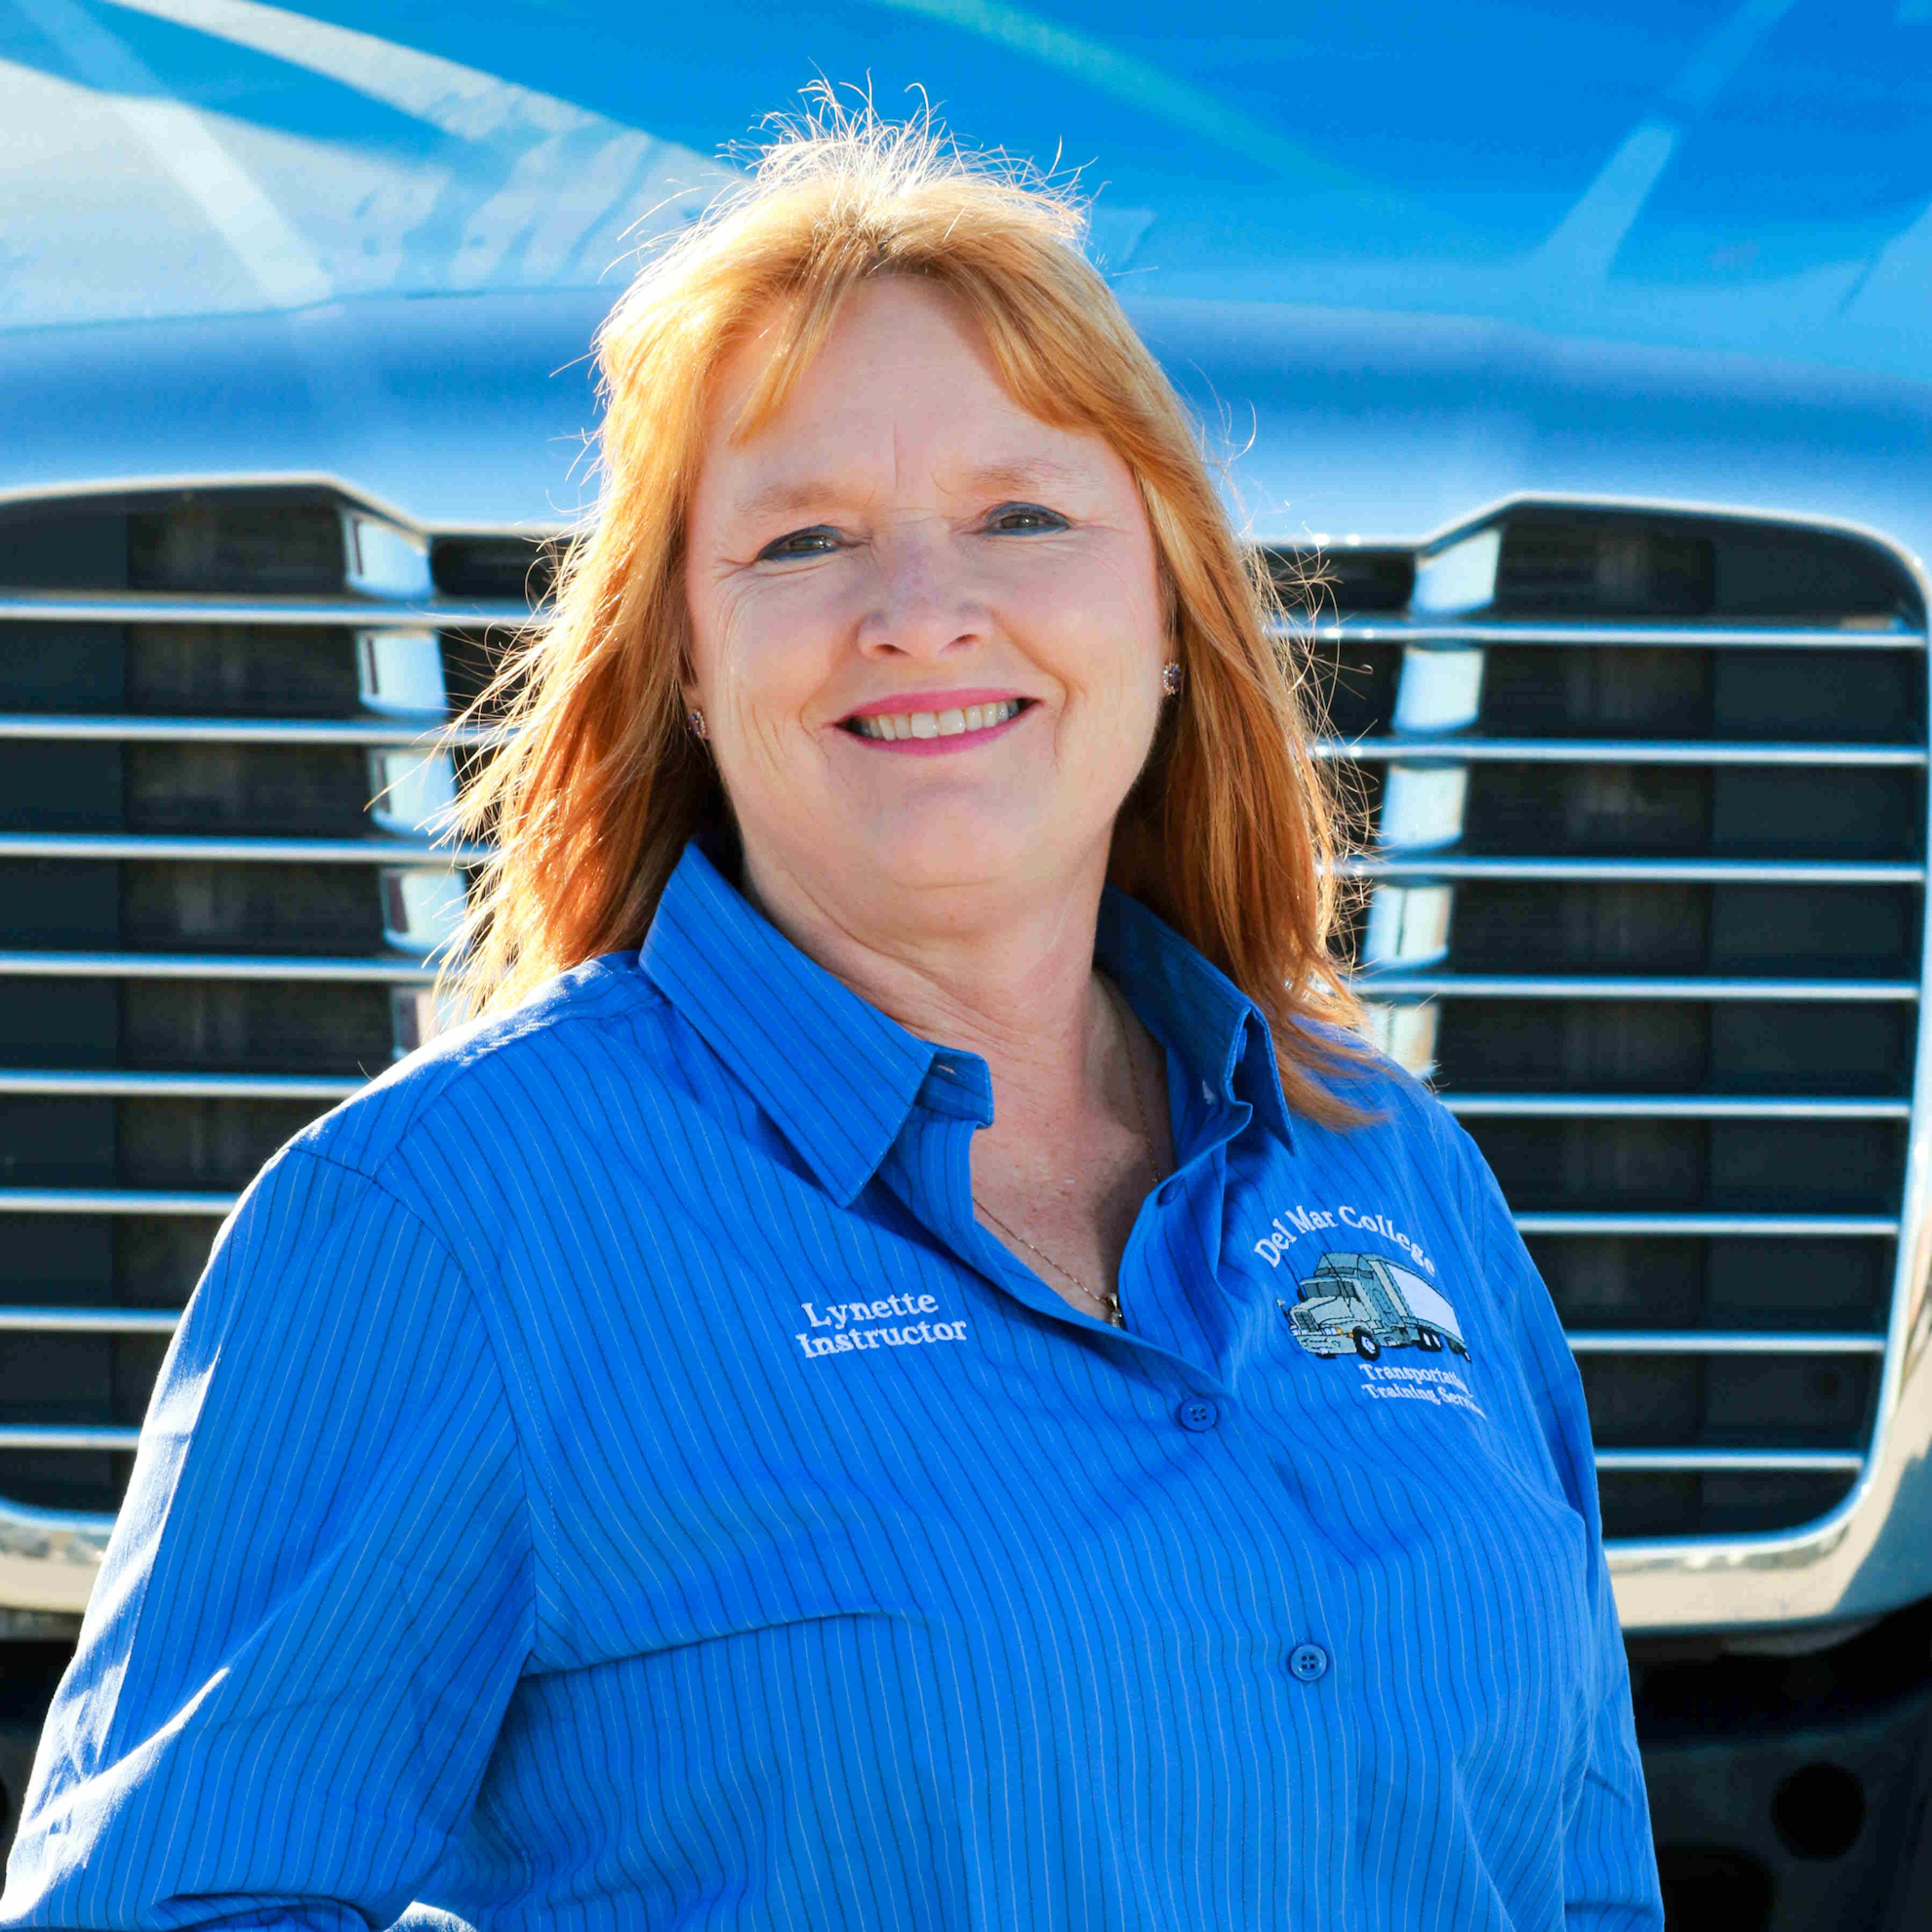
1074, 1144
1012, 983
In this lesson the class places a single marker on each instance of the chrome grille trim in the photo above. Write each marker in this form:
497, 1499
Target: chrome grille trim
119, 1436
1583, 1341
1502, 985
114, 1084
49, 1557
125, 1438
1852, 1227
1717, 1342
1690, 1226
429, 733
1823, 1462
398, 971
1674, 1106
162, 1201
1651, 871
305, 613
90, 1321
1610, 751
1608, 635
162, 847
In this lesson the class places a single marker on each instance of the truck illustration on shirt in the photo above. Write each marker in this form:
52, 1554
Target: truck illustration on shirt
1366, 1303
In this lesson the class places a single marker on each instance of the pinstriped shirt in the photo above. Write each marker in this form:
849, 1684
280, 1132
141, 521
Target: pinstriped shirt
608, 1478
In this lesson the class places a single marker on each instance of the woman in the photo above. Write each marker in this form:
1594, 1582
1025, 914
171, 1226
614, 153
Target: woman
910, 1372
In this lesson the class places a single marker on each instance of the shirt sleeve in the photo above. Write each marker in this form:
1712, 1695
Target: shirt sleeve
1610, 1878
316, 1602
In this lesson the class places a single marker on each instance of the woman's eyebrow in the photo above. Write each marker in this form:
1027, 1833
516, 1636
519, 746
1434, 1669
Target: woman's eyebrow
1016, 476
1023, 474
796, 494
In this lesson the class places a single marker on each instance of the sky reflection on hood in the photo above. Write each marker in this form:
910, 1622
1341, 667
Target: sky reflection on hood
1746, 177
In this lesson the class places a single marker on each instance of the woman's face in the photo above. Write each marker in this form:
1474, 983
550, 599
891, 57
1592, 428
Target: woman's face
927, 628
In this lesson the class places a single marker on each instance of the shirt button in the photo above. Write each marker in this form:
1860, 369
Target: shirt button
1309, 1661
1197, 1415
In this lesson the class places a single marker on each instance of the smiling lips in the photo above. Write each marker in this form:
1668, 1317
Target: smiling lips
970, 719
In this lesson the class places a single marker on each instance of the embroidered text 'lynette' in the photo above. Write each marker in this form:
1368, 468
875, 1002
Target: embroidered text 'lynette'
841, 1318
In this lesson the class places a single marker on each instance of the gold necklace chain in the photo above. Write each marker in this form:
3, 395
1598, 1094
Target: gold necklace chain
1109, 1303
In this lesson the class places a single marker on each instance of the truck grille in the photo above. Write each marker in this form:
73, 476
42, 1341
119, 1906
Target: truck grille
1644, 901
218, 898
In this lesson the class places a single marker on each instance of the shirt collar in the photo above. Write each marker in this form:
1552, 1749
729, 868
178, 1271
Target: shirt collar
831, 1070
1187, 1002
839, 1079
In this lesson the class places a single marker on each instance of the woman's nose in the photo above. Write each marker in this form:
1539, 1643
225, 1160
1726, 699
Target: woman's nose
925, 602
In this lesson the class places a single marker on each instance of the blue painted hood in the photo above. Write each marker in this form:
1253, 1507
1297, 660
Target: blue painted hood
1411, 258
1750, 176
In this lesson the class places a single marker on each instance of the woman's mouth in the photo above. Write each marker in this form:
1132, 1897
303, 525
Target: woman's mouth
928, 728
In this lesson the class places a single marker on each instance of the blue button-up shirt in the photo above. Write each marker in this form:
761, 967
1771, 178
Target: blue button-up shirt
608, 1478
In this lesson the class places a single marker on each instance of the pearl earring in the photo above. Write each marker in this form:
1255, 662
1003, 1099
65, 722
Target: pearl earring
694, 723
1171, 678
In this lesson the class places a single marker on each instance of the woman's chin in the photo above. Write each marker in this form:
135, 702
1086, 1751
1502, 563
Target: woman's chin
973, 857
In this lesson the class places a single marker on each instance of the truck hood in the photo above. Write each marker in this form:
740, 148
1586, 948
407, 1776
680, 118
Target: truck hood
1406, 260
1339, 425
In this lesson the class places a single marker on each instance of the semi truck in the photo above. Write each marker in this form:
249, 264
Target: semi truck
1582, 354
1367, 1303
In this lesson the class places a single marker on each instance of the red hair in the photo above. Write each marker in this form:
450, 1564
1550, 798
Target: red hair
1231, 834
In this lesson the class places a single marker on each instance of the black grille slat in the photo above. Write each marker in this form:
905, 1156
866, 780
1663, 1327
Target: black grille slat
246, 788
50, 787
1608, 928
514, 568
1608, 563
1625, 1046
1605, 567
217, 544
239, 670
1352, 686
1652, 1282
247, 909
1569, 690
1841, 1166
1745, 811
196, 1144
1620, 927
1609, 692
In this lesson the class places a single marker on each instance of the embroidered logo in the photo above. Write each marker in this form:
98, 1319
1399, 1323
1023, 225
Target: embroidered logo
1440, 1385
1363, 1304
846, 1326
1302, 1220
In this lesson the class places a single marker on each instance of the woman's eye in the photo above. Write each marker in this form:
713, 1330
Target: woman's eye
1024, 518
818, 541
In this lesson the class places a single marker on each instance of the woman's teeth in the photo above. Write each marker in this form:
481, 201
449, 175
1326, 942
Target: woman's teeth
936, 724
